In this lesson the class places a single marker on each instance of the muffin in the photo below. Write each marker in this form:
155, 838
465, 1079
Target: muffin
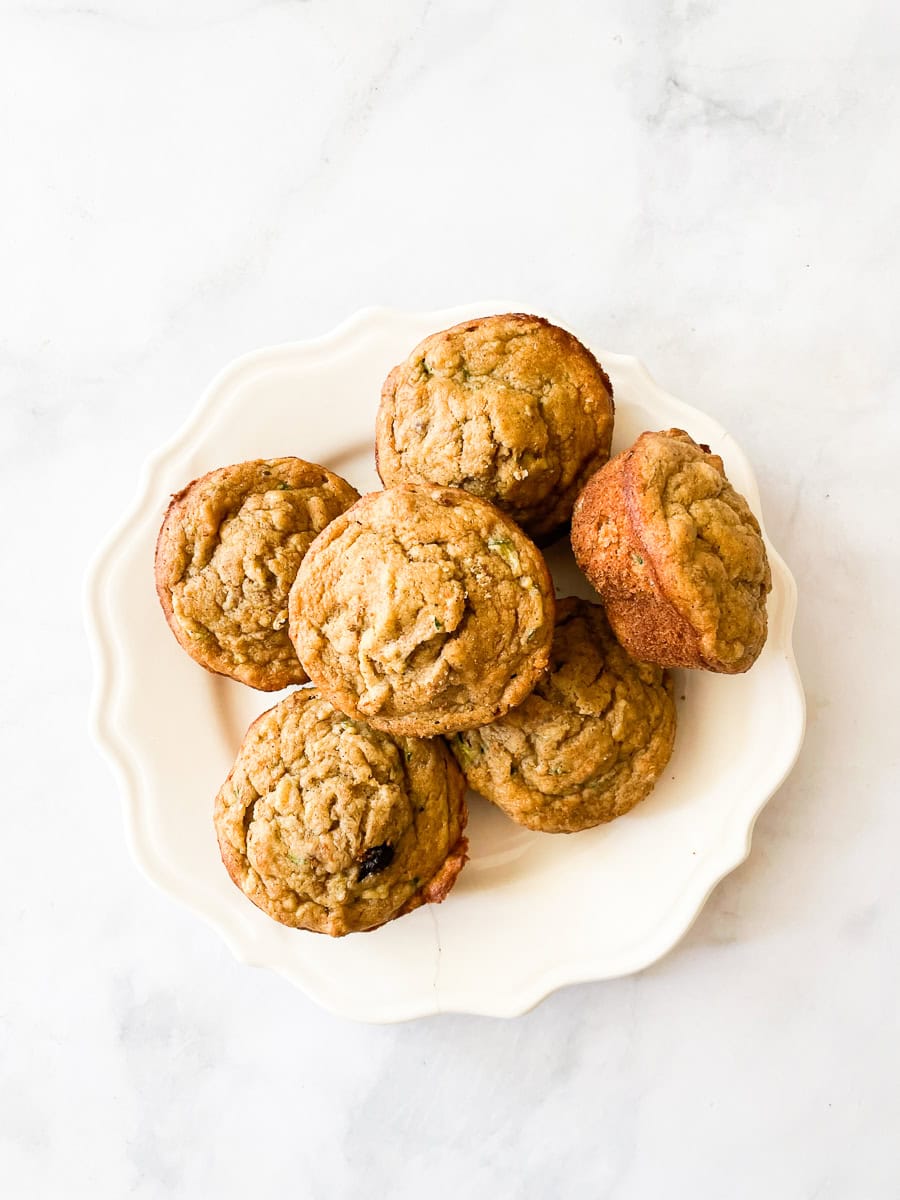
509, 408
423, 610
227, 554
676, 555
589, 742
330, 826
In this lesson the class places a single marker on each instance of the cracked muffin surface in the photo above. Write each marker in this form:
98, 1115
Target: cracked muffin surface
423, 610
676, 555
510, 408
227, 554
330, 826
590, 741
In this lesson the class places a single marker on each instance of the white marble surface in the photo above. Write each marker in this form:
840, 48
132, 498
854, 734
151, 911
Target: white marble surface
712, 186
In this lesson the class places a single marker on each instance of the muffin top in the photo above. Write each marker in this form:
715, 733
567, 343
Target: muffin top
423, 610
703, 542
328, 825
510, 408
227, 554
587, 744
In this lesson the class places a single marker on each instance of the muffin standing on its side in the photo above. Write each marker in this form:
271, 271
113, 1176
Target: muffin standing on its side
329, 826
590, 741
423, 610
510, 408
676, 555
227, 554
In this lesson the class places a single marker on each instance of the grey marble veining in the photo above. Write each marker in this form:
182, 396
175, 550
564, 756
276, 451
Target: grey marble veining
711, 186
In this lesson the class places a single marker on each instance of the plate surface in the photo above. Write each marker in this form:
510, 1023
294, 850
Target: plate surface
531, 912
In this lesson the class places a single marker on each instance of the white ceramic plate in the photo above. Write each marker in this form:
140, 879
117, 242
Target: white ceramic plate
531, 912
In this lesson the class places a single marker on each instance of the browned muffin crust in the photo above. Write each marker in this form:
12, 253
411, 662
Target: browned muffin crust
228, 551
423, 610
590, 741
676, 555
328, 825
510, 408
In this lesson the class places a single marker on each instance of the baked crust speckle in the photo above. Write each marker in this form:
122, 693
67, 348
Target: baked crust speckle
510, 408
590, 741
227, 554
423, 610
328, 825
676, 555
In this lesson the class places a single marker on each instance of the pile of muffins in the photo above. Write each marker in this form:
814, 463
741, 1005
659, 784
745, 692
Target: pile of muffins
423, 617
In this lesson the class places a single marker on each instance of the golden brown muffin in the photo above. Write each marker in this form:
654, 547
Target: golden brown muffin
676, 555
589, 742
227, 554
510, 408
330, 826
423, 610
